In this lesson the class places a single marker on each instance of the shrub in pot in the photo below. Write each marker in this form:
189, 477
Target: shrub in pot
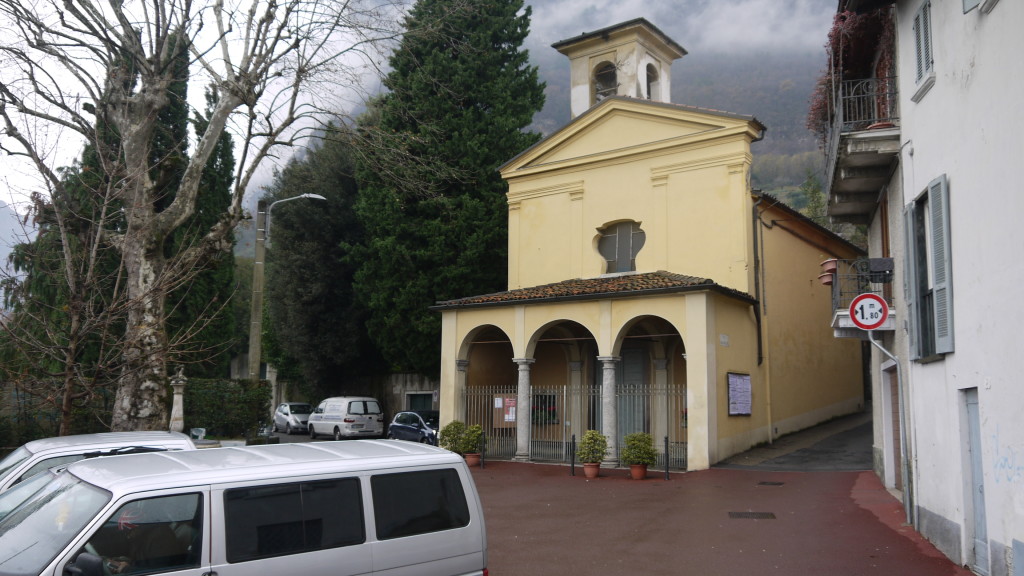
461, 439
638, 453
591, 451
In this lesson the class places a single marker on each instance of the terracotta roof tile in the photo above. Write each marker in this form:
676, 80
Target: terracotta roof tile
594, 288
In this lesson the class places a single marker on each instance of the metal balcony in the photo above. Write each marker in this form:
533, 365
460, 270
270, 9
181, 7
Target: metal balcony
861, 144
852, 278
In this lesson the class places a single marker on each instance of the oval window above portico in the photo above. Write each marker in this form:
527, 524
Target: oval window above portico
618, 244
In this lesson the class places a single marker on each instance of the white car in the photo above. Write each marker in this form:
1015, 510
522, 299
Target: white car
38, 455
347, 417
291, 417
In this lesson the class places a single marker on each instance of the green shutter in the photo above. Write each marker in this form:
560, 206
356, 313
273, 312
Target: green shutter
942, 272
910, 295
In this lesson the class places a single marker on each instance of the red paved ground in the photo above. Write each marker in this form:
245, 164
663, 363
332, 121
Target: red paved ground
542, 521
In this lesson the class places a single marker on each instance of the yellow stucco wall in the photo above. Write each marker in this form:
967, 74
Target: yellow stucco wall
814, 375
688, 190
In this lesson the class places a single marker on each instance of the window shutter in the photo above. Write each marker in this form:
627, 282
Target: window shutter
917, 48
942, 273
970, 5
910, 282
926, 36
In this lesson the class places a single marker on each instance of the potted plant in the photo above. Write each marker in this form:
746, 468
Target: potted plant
638, 453
463, 440
471, 440
591, 451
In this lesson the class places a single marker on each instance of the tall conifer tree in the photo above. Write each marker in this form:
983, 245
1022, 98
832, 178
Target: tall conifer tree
461, 94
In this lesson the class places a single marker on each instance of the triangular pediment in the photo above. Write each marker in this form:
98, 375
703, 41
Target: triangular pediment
624, 126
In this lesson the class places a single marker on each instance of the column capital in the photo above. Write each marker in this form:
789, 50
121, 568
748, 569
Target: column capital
607, 359
576, 366
524, 362
461, 365
661, 363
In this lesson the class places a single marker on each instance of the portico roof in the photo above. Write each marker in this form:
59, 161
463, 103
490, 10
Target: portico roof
603, 287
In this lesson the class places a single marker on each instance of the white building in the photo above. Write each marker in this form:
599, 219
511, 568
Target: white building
929, 161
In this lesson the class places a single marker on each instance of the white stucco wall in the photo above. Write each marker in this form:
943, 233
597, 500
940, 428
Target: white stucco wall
967, 127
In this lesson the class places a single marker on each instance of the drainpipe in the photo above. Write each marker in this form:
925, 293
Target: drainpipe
908, 484
755, 229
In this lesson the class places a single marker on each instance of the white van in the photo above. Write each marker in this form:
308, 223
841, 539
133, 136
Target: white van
38, 455
328, 508
347, 417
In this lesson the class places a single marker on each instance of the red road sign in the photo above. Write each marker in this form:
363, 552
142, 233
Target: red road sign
868, 311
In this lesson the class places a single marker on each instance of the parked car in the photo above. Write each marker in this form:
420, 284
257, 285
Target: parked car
38, 455
416, 426
352, 508
292, 417
347, 417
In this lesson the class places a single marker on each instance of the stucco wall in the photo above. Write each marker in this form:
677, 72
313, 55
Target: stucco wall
967, 127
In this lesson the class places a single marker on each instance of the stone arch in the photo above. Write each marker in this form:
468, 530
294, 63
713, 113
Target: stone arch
605, 81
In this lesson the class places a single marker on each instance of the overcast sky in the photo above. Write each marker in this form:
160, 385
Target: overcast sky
698, 25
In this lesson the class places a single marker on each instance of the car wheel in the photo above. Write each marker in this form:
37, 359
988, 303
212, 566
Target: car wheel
287, 429
337, 433
391, 436
424, 440
312, 433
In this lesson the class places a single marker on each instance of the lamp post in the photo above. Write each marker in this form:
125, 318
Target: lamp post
256, 313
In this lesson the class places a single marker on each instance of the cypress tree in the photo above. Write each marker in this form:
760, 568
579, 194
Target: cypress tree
461, 93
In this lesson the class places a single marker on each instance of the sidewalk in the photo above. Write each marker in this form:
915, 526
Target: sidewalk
723, 521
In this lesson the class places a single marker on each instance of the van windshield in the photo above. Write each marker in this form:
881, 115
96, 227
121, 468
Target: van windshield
41, 523
12, 461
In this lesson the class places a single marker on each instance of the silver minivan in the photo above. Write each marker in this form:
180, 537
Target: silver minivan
347, 417
330, 508
37, 455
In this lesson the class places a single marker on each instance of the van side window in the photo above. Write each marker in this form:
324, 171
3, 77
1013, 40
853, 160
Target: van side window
264, 521
152, 535
372, 407
358, 407
410, 503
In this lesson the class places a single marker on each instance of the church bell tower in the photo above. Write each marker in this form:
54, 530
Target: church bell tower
632, 59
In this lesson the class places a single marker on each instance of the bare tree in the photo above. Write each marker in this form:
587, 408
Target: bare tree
87, 67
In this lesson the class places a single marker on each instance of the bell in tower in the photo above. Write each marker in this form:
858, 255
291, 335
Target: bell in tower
630, 59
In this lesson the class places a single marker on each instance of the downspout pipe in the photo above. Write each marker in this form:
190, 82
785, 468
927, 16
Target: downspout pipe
908, 483
755, 230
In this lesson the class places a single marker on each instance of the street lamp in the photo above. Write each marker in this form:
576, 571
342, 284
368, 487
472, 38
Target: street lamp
256, 313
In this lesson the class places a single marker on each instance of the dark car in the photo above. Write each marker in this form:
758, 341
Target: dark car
415, 426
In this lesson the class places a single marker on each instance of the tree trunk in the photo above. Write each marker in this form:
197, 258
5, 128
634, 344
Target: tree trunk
141, 401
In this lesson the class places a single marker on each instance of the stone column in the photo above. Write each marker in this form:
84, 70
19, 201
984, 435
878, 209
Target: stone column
609, 412
661, 402
178, 382
461, 378
523, 410
574, 411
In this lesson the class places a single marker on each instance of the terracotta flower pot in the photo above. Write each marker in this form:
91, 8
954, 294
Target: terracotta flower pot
638, 471
826, 278
830, 265
472, 459
591, 469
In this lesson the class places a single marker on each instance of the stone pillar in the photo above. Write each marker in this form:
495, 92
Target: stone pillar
461, 377
575, 411
523, 410
661, 403
178, 382
609, 412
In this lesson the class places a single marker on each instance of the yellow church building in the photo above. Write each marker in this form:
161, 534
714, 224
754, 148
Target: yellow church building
650, 289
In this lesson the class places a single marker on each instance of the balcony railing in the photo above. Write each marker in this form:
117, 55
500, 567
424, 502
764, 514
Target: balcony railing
855, 277
859, 105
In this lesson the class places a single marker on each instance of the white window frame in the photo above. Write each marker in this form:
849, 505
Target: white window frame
930, 331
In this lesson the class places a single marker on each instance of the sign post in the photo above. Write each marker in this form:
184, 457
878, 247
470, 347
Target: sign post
869, 311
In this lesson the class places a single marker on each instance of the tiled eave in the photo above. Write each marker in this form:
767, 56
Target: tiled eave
601, 288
